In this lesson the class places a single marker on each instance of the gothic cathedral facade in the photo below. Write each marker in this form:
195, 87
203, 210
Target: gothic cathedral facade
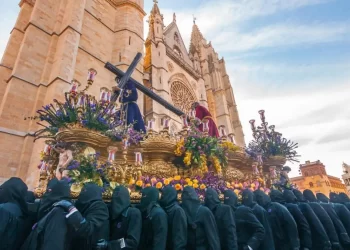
56, 41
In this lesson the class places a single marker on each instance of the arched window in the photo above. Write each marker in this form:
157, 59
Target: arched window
311, 184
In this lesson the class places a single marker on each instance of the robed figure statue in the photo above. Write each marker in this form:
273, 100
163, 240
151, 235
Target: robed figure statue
130, 112
203, 114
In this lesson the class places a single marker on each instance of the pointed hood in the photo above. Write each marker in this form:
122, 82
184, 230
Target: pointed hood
277, 196
248, 198
89, 194
211, 199
120, 201
168, 198
150, 197
309, 195
261, 198
231, 199
289, 196
190, 204
333, 197
14, 190
299, 195
322, 198
343, 197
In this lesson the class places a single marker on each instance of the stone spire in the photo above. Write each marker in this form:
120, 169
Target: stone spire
155, 21
196, 37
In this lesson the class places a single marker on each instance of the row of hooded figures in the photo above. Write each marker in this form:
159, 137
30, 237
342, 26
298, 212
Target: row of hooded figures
278, 221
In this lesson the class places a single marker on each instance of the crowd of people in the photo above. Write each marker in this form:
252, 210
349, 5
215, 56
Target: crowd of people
289, 220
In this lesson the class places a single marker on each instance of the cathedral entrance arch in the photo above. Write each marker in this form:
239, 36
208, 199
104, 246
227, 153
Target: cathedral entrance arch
181, 92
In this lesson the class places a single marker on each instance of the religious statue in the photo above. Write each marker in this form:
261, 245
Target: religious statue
65, 158
273, 172
203, 114
284, 178
130, 110
255, 168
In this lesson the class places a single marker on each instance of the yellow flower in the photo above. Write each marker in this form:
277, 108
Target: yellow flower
228, 184
190, 183
216, 163
159, 185
195, 185
179, 147
139, 183
178, 187
132, 181
240, 185
170, 179
42, 155
195, 181
148, 185
252, 185
188, 158
187, 180
236, 191
177, 178
202, 186
229, 146
166, 182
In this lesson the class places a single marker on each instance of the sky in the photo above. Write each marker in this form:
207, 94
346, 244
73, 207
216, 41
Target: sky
288, 57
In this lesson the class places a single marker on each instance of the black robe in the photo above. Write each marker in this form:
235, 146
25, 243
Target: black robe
202, 233
95, 225
154, 221
126, 222
302, 224
52, 230
284, 228
324, 218
341, 210
344, 199
262, 216
319, 237
250, 232
224, 219
177, 220
339, 227
13, 214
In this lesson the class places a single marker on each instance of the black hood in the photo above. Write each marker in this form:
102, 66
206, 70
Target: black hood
299, 195
248, 198
30, 197
169, 197
333, 197
120, 201
211, 199
230, 198
343, 197
14, 190
56, 191
150, 196
261, 198
322, 198
289, 196
309, 196
277, 196
190, 203
89, 194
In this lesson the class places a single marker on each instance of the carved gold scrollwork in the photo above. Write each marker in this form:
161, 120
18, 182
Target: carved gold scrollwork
160, 169
233, 174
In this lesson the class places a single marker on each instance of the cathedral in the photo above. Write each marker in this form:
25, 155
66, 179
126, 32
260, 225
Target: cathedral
56, 41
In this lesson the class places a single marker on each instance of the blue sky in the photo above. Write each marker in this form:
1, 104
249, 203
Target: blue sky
289, 57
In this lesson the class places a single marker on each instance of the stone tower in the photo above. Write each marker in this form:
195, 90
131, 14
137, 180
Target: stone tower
52, 43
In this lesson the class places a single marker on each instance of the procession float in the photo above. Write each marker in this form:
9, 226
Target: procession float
107, 149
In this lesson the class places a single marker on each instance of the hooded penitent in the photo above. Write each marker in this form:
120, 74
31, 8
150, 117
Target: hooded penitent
248, 198
191, 204
277, 196
283, 225
120, 201
56, 191
150, 197
224, 218
231, 199
324, 217
322, 198
299, 195
14, 191
177, 220
341, 210
344, 199
334, 198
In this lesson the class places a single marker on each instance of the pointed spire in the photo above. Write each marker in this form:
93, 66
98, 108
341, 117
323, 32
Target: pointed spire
155, 31
196, 37
155, 10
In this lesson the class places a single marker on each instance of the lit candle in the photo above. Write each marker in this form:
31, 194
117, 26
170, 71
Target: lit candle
138, 158
111, 155
193, 113
222, 130
206, 125
75, 85
150, 124
91, 75
184, 120
125, 144
102, 96
232, 138
81, 100
166, 123
108, 96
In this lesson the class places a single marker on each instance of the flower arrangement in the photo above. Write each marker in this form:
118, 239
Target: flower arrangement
84, 111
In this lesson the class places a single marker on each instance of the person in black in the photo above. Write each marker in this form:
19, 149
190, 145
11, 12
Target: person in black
342, 212
154, 221
250, 232
323, 217
339, 227
284, 228
89, 218
224, 219
177, 221
51, 231
262, 216
13, 214
319, 237
344, 199
202, 230
302, 224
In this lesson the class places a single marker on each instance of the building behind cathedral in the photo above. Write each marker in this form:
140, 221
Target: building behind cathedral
56, 41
